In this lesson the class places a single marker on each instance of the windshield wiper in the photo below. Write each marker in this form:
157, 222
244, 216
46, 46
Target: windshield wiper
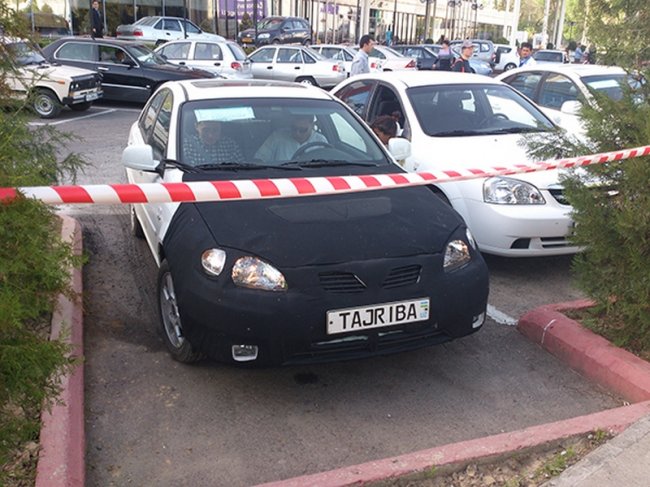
327, 162
455, 133
179, 165
234, 166
513, 130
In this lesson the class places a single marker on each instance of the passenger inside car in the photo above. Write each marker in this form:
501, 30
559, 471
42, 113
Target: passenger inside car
283, 143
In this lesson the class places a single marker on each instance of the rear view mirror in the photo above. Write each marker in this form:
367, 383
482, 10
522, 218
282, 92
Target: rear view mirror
399, 148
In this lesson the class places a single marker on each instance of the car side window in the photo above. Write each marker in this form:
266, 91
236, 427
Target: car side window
159, 136
525, 83
556, 90
206, 51
173, 25
308, 59
356, 96
77, 51
112, 54
159, 25
190, 28
176, 51
148, 116
289, 56
377, 54
263, 56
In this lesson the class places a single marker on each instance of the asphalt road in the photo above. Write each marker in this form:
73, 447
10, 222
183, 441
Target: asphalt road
152, 421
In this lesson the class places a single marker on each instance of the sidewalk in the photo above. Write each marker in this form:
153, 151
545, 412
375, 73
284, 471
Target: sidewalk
623, 460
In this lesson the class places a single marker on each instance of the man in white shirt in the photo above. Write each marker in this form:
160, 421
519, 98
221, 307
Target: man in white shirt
526, 55
360, 64
283, 143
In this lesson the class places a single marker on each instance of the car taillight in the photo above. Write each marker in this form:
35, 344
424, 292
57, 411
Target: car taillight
236, 66
373, 65
137, 32
335, 67
411, 64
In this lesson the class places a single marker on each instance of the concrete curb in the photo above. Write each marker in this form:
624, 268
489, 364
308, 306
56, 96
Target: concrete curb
591, 355
61, 461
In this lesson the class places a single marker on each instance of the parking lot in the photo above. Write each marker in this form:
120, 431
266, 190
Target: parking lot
152, 421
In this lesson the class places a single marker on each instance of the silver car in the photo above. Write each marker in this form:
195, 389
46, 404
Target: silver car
296, 63
225, 58
158, 30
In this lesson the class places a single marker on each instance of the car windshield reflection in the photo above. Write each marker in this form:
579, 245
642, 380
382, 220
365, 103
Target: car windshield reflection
146, 56
25, 54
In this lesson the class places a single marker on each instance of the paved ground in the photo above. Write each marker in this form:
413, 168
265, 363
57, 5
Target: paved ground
151, 421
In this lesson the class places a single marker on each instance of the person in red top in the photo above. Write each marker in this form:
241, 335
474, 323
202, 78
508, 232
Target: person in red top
462, 63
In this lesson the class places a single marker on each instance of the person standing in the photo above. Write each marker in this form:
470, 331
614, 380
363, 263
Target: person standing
577, 54
445, 57
96, 21
526, 55
389, 36
462, 63
360, 64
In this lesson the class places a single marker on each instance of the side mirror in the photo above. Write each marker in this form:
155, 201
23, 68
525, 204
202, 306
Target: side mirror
570, 107
140, 158
399, 148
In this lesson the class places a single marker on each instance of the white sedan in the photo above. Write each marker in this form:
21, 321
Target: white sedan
158, 30
384, 58
225, 58
560, 89
460, 120
340, 53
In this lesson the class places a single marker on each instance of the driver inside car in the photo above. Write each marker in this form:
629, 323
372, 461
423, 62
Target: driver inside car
283, 143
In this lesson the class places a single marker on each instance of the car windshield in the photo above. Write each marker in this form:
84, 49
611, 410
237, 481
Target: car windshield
611, 85
146, 56
291, 134
474, 109
25, 53
146, 21
269, 24
547, 56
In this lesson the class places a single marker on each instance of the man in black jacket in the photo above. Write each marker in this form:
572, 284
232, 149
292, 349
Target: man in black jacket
96, 21
462, 63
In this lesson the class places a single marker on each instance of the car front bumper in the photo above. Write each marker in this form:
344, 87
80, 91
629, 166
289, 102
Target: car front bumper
290, 327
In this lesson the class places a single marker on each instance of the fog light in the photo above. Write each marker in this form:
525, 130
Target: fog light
244, 353
478, 320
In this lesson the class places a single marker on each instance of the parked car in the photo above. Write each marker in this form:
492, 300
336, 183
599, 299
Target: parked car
483, 50
478, 66
386, 58
341, 53
157, 30
544, 56
130, 71
286, 281
225, 58
296, 63
560, 89
50, 86
278, 30
425, 57
47, 25
460, 120
507, 57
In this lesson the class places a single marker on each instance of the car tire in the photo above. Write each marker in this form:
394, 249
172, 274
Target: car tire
509, 66
306, 80
81, 107
136, 226
170, 320
46, 104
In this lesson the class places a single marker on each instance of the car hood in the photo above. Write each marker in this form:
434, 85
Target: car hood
180, 72
294, 232
251, 32
481, 152
57, 70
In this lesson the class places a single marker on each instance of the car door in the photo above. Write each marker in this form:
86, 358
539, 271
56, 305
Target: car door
357, 96
209, 56
554, 93
262, 63
168, 30
176, 53
122, 77
288, 64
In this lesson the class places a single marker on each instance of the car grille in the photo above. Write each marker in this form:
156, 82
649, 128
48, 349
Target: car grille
559, 196
348, 282
86, 82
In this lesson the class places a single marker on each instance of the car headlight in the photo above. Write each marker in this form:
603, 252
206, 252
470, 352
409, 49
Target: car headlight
254, 273
213, 261
74, 86
265, 35
507, 191
456, 255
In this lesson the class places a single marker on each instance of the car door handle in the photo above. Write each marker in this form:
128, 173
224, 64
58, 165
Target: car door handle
269, 67
102, 68
182, 63
297, 67
217, 63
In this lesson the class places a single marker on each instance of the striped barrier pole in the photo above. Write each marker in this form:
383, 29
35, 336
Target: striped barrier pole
238, 190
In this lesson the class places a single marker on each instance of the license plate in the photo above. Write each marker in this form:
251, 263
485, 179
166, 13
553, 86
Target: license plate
92, 96
247, 40
377, 316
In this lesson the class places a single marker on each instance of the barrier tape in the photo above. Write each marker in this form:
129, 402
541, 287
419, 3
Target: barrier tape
252, 189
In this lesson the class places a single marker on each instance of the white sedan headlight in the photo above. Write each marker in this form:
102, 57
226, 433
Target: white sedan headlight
254, 273
265, 35
507, 191
456, 255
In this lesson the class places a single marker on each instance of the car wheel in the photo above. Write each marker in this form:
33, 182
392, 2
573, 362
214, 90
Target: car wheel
170, 320
81, 107
509, 66
306, 80
136, 226
46, 104
275, 41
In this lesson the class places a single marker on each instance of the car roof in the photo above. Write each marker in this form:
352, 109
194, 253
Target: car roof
104, 40
202, 89
410, 79
576, 69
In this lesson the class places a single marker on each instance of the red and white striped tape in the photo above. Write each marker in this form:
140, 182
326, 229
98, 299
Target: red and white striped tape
252, 189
